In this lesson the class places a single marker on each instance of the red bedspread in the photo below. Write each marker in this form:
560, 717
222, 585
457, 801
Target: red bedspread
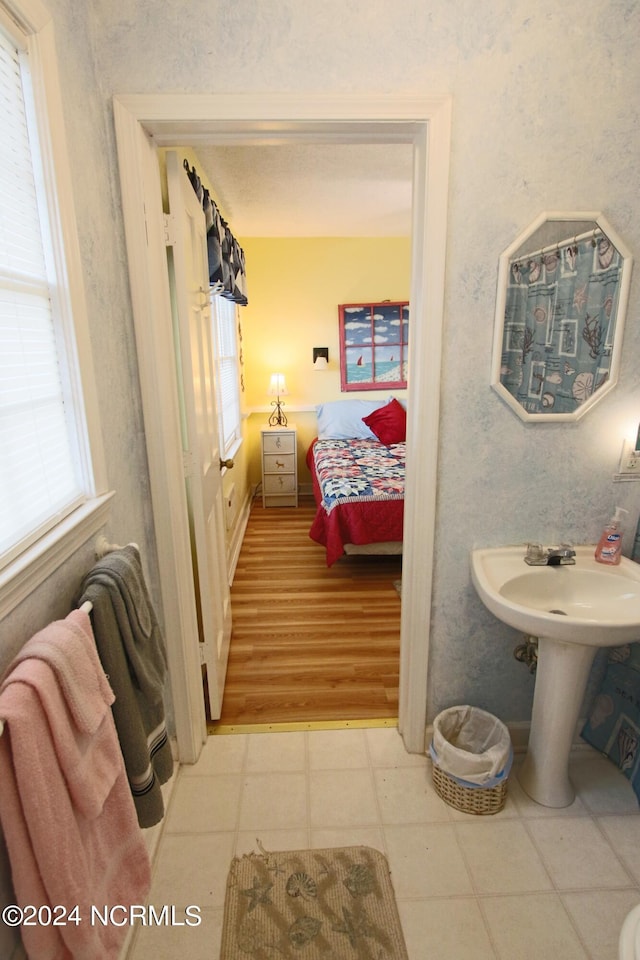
358, 486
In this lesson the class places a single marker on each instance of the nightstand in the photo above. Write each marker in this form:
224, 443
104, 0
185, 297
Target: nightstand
279, 467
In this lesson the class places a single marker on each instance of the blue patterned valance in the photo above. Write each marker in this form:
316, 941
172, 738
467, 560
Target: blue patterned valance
227, 271
559, 327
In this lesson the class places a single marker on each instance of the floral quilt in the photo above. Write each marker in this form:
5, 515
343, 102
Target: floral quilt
358, 470
359, 490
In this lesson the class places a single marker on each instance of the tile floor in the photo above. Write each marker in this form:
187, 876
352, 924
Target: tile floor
528, 883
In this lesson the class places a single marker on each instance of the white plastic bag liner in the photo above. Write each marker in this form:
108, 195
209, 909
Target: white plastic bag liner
472, 746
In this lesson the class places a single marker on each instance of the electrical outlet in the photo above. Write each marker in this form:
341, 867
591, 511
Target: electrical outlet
630, 460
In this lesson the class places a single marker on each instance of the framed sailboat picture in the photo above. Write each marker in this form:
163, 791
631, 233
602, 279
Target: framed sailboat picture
374, 338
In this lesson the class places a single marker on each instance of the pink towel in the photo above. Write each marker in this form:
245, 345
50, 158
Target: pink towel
65, 804
69, 647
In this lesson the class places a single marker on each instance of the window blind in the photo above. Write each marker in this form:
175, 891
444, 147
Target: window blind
224, 312
40, 479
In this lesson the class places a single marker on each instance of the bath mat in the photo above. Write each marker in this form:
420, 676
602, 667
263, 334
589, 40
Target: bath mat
311, 904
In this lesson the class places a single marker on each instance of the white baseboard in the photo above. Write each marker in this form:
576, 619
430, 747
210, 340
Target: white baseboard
519, 733
237, 536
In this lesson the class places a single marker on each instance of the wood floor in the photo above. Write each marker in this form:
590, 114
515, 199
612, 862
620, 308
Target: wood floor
309, 643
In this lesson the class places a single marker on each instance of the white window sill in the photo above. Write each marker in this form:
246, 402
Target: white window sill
31, 568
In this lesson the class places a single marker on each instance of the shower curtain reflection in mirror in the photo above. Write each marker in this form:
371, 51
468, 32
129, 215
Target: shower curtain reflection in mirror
563, 288
559, 323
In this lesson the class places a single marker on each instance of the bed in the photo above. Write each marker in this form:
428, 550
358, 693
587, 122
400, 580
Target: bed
358, 481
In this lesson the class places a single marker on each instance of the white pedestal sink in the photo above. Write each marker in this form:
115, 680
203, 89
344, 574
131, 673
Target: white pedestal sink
574, 610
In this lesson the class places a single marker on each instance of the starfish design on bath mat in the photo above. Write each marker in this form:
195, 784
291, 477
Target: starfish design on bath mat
257, 893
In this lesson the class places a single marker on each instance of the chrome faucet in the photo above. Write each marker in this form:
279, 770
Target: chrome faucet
537, 556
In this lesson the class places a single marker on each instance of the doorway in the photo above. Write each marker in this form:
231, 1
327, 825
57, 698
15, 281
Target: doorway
320, 224
144, 122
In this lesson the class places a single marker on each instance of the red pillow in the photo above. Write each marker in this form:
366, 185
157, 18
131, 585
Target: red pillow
389, 423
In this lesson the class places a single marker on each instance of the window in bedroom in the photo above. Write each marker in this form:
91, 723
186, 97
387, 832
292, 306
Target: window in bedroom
46, 457
228, 374
374, 339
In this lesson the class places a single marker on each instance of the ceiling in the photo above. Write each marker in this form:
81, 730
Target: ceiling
294, 189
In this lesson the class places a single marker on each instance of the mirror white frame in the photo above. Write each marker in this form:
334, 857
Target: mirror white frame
592, 221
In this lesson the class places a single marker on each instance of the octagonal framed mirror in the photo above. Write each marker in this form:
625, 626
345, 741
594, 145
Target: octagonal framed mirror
563, 288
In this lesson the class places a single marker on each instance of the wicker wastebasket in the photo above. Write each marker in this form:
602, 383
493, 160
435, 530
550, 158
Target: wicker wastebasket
472, 755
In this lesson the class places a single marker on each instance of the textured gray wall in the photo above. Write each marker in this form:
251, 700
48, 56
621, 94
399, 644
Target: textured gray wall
545, 116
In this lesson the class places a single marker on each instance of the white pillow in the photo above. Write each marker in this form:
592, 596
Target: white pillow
342, 419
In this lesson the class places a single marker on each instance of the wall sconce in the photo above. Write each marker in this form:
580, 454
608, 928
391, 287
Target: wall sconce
277, 389
320, 358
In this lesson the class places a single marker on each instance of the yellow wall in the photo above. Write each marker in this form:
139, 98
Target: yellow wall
295, 286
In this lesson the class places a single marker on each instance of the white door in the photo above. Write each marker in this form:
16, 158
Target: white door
189, 278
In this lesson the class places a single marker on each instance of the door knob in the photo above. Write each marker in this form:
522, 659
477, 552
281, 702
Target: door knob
226, 463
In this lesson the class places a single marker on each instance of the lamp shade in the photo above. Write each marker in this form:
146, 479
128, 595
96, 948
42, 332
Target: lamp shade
277, 386
320, 363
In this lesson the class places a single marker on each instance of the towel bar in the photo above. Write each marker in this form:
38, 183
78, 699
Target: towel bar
103, 547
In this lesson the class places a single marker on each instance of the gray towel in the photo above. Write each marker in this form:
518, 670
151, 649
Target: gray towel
132, 652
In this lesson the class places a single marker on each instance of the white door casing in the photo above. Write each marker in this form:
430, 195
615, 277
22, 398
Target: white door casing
186, 237
151, 303
187, 119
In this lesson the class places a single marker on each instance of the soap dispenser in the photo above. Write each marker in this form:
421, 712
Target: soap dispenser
635, 552
609, 549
